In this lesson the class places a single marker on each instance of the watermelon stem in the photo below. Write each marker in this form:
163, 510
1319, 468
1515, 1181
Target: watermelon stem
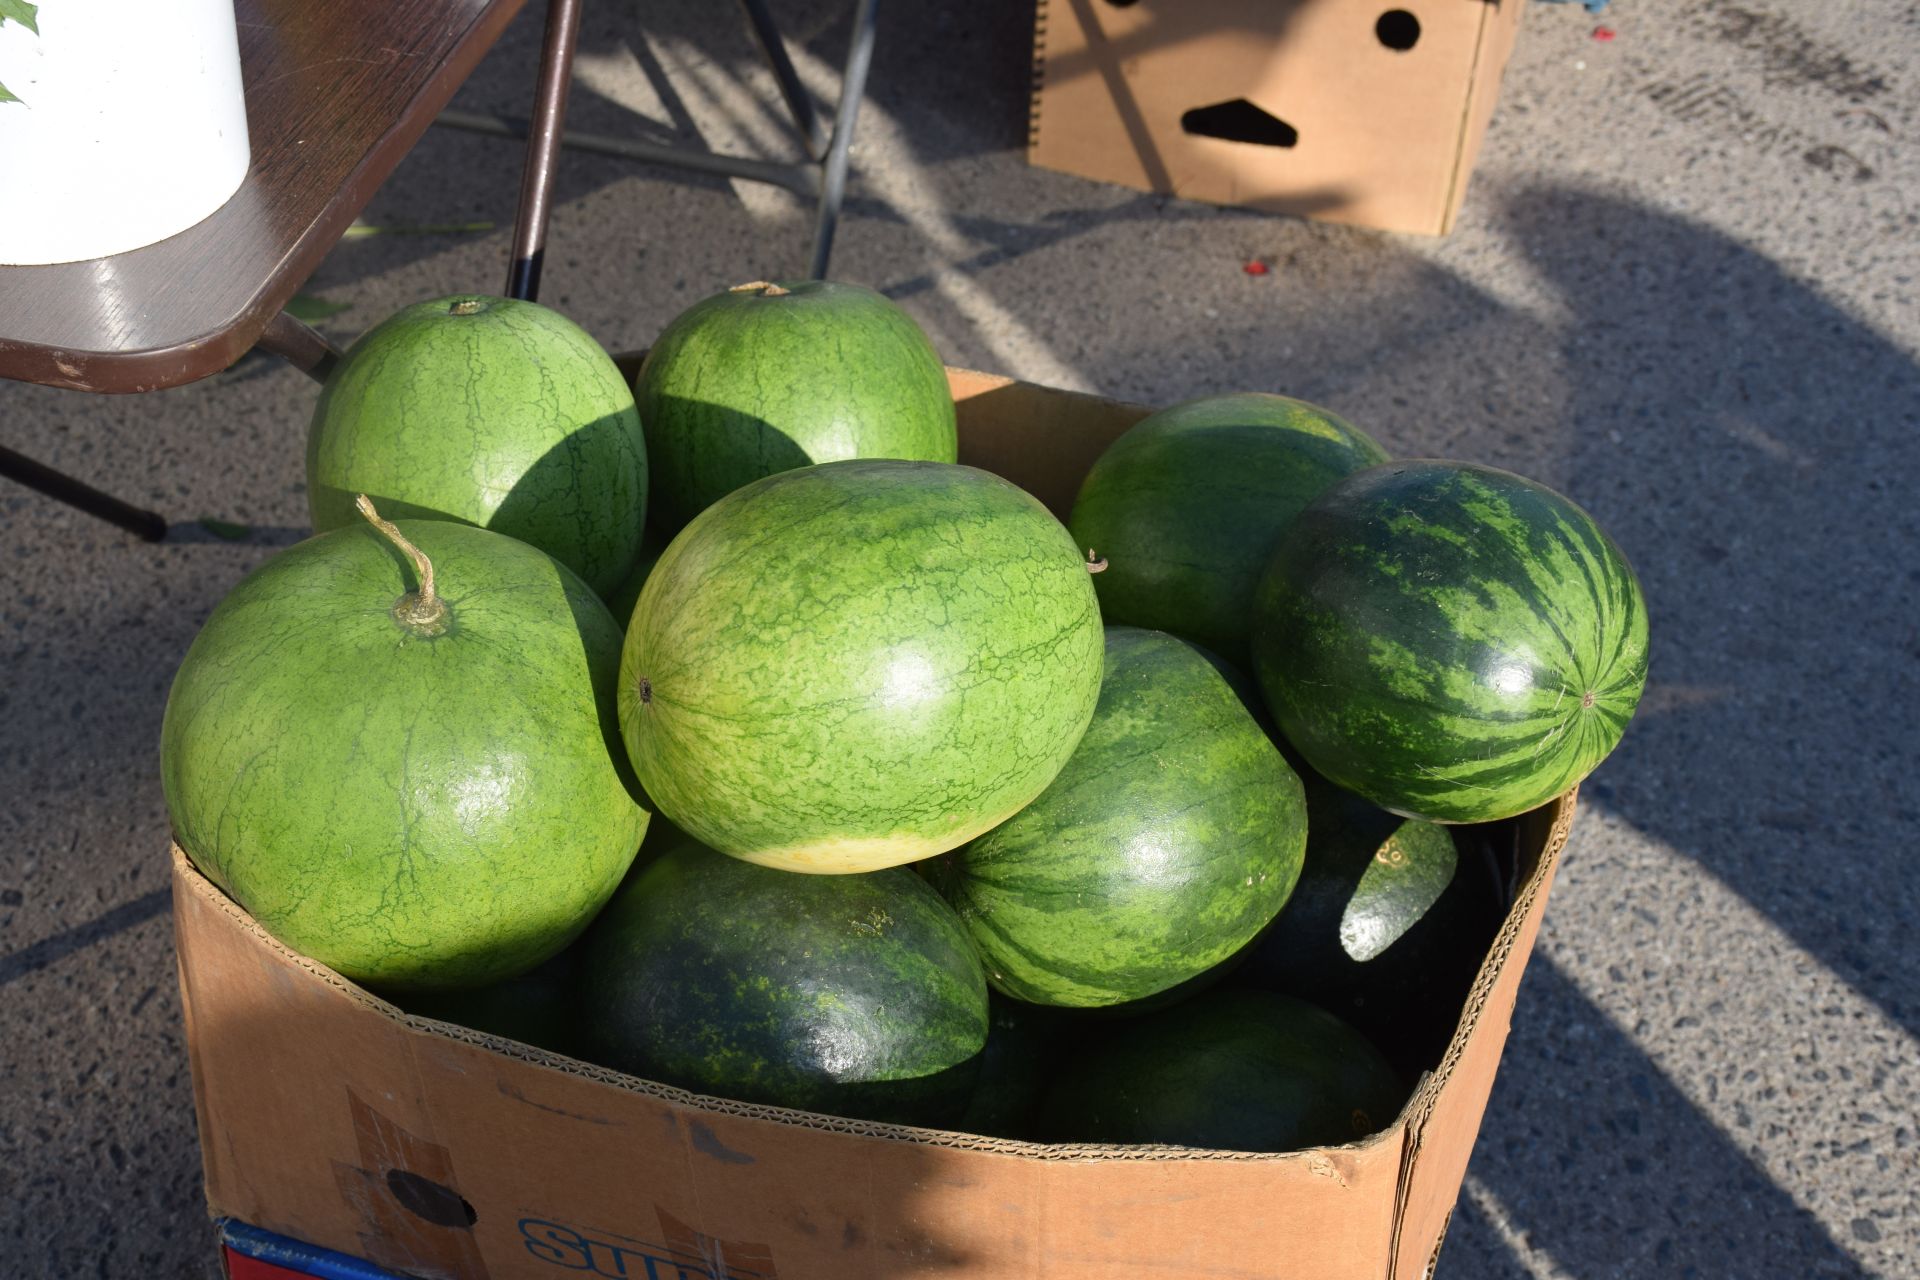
422, 612
467, 307
767, 288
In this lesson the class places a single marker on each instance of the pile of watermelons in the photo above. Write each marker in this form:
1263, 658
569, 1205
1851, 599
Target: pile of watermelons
878, 791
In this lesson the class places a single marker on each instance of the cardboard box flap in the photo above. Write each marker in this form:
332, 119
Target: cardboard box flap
1498, 32
1047, 437
264, 1023
331, 1116
1443, 1116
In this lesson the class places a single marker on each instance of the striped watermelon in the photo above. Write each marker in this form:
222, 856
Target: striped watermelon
1226, 1071
1387, 927
1171, 838
1451, 641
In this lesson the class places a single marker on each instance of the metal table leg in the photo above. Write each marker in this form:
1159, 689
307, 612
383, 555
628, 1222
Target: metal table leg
300, 345
543, 148
833, 182
799, 101
64, 488
822, 175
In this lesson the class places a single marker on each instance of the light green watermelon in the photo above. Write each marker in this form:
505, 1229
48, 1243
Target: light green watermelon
416, 787
493, 412
859, 664
1185, 508
766, 377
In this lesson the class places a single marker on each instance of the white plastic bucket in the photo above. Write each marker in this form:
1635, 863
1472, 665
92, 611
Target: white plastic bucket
131, 125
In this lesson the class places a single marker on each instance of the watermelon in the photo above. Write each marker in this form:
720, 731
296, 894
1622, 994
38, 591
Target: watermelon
536, 1007
1451, 641
1186, 507
1169, 840
767, 377
1387, 927
859, 664
492, 412
1228, 1071
851, 995
1024, 1044
406, 771
621, 599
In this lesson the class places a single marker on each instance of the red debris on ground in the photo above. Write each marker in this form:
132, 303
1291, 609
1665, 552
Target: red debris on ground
1256, 268
1604, 33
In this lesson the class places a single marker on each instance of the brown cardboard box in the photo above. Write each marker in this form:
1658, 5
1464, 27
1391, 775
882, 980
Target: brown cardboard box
328, 1115
1363, 111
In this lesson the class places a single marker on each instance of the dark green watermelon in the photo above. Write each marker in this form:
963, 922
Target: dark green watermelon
536, 1008
1024, 1044
859, 664
1172, 836
1185, 508
853, 995
1387, 927
767, 377
1451, 641
1231, 1070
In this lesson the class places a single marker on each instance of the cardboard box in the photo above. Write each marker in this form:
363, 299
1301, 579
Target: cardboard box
1365, 112
332, 1117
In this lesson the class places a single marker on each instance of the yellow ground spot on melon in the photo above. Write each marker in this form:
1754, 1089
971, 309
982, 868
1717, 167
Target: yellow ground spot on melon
848, 855
874, 925
845, 856
1312, 424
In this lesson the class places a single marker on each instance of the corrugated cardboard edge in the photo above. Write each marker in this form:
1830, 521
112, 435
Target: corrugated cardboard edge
1038, 78
1499, 28
190, 885
1453, 1099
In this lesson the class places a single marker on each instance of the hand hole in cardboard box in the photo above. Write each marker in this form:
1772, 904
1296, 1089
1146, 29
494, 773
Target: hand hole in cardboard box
1240, 121
429, 1200
1398, 30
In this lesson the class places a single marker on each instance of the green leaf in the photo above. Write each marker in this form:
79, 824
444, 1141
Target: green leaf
310, 307
27, 16
218, 528
21, 12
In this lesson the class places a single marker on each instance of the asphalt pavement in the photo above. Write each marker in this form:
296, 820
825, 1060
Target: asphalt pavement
1680, 291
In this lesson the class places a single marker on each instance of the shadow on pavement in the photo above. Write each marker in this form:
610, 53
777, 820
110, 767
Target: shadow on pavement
1579, 1109
1754, 447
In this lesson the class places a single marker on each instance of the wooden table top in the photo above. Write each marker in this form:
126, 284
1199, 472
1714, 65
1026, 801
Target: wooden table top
337, 93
